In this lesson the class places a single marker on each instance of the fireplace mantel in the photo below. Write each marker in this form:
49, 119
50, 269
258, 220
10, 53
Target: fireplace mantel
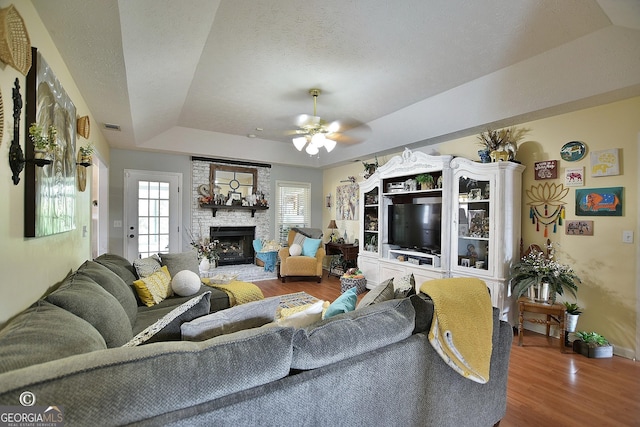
253, 209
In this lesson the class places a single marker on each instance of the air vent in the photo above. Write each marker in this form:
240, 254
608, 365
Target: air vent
111, 126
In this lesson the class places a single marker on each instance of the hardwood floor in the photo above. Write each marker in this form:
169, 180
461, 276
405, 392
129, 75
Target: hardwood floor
545, 387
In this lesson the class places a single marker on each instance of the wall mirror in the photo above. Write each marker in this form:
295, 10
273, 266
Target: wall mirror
233, 182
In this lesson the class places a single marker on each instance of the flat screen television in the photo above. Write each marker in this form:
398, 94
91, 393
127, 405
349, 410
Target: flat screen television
416, 225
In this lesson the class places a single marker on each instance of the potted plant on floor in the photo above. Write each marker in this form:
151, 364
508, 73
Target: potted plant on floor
592, 344
542, 279
571, 319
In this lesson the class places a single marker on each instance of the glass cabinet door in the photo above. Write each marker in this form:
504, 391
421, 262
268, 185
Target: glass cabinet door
473, 210
371, 224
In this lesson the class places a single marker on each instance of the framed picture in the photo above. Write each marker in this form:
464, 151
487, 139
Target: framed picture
605, 163
599, 201
579, 228
546, 170
50, 191
574, 177
475, 194
347, 197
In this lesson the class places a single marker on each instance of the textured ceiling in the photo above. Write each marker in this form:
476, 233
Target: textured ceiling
198, 76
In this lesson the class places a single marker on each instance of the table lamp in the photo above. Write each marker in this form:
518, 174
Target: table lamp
332, 226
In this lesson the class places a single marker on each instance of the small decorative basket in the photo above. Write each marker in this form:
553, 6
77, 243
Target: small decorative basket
83, 126
15, 46
347, 283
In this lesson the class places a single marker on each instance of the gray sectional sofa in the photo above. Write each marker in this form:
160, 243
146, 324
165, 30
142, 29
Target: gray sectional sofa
369, 367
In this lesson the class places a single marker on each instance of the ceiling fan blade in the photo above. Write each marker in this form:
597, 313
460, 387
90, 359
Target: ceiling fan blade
307, 121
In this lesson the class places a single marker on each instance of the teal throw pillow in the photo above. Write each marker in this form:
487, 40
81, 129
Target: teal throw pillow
310, 246
344, 304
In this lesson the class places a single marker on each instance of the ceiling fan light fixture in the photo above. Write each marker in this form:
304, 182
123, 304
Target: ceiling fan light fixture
334, 127
299, 142
312, 150
318, 140
329, 144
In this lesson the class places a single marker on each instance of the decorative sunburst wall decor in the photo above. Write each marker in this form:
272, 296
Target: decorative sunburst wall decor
547, 205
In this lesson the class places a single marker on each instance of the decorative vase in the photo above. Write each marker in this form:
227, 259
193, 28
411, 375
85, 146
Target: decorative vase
205, 265
539, 292
571, 322
484, 156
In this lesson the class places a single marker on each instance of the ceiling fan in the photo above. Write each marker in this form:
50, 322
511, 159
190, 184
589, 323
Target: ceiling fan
314, 132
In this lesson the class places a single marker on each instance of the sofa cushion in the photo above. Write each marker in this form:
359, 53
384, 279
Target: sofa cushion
311, 314
83, 297
119, 265
155, 288
185, 283
423, 305
133, 384
113, 284
404, 286
176, 262
245, 316
147, 266
382, 292
353, 333
343, 304
310, 246
168, 327
45, 332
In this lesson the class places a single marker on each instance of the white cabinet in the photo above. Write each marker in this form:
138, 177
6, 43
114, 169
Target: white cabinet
479, 221
485, 230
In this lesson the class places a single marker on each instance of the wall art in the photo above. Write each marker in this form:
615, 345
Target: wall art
347, 197
605, 162
579, 228
547, 205
546, 170
50, 191
574, 177
599, 201
573, 151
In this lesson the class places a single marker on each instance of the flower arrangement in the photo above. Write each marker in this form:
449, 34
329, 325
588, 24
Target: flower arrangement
43, 141
207, 248
536, 268
497, 139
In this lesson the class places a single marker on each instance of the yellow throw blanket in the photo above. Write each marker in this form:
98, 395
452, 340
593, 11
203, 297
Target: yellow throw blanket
238, 292
462, 326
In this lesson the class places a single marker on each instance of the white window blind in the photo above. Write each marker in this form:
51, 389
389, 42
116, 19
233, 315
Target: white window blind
294, 206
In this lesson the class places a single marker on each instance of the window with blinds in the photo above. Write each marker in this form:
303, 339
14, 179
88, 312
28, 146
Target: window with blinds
294, 206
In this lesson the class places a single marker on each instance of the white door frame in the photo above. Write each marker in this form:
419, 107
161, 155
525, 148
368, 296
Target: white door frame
130, 217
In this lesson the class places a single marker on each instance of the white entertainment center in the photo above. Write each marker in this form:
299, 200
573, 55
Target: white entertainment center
476, 207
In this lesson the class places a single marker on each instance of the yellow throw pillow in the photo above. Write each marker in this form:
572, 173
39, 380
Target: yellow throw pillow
154, 288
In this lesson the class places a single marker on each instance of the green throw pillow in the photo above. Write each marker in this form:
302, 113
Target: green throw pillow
382, 292
344, 304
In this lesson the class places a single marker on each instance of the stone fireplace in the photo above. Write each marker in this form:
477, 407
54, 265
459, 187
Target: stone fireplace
236, 244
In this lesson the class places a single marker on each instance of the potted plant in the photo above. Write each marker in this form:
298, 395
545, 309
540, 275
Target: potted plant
85, 154
541, 278
500, 141
592, 344
426, 181
573, 312
43, 142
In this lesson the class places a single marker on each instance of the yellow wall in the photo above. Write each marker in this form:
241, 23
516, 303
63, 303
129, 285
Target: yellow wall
30, 266
607, 266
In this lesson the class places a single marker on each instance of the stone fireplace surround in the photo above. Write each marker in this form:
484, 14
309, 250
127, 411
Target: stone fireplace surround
202, 219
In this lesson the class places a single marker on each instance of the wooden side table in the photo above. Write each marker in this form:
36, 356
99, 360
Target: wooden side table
554, 316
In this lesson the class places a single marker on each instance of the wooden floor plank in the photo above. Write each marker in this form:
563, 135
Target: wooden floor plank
545, 387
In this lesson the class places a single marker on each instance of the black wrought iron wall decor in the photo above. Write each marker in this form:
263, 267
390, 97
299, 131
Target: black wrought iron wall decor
16, 156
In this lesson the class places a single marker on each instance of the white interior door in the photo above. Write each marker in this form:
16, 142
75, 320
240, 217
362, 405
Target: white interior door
153, 213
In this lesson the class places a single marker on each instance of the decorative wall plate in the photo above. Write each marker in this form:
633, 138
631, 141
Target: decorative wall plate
573, 151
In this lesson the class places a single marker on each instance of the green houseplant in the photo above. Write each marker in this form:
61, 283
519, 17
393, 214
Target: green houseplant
85, 154
592, 344
43, 142
426, 181
542, 278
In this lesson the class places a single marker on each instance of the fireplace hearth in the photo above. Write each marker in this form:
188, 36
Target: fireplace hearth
236, 244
